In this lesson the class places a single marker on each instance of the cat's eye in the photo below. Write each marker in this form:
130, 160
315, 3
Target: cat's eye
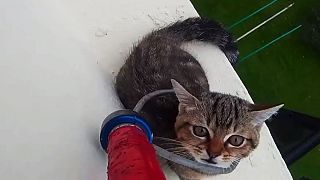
200, 131
236, 140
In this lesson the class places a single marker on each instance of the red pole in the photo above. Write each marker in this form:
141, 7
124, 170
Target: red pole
131, 156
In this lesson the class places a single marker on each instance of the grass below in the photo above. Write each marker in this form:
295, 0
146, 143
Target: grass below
286, 72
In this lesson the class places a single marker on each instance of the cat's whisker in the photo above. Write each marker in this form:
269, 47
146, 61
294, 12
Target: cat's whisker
171, 166
171, 143
187, 156
165, 146
180, 146
176, 148
178, 151
181, 150
173, 140
199, 151
164, 138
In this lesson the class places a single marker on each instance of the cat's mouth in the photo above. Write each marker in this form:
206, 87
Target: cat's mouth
217, 163
210, 160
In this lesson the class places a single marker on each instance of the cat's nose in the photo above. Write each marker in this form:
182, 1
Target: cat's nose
215, 147
212, 154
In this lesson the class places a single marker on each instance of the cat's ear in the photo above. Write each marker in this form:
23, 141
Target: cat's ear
187, 101
261, 113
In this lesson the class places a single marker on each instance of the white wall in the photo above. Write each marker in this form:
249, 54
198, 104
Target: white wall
56, 73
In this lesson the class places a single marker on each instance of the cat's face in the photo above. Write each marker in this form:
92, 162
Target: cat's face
218, 129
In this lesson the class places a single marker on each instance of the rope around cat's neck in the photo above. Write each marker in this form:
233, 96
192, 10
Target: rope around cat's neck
200, 167
147, 97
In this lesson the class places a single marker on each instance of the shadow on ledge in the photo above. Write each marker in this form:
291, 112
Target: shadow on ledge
294, 133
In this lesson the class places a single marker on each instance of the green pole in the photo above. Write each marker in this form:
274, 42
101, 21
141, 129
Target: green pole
269, 44
252, 14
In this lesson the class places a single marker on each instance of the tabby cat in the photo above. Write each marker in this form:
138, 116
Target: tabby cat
208, 127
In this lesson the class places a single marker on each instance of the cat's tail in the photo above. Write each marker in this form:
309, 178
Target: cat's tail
204, 30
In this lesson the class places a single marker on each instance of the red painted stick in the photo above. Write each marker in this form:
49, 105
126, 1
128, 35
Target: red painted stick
131, 156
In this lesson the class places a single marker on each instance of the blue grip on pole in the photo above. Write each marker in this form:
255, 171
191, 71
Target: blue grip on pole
122, 117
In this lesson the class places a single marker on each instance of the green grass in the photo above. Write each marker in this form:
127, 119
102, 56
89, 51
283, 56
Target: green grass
308, 165
288, 71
